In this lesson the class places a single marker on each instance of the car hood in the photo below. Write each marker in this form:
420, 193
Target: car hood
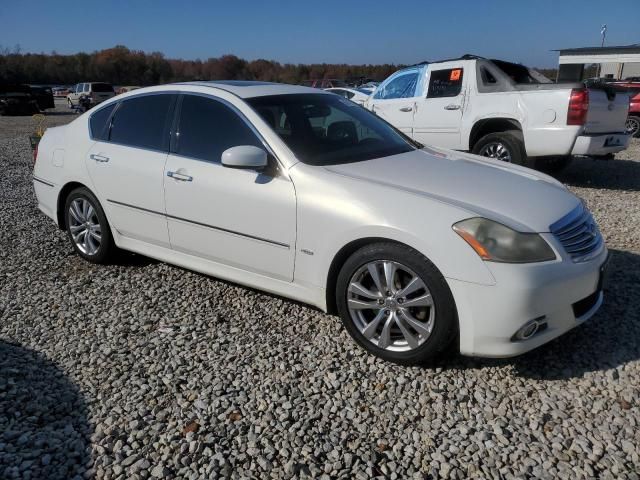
515, 196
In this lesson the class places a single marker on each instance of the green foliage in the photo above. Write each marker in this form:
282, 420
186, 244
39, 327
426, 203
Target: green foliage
121, 66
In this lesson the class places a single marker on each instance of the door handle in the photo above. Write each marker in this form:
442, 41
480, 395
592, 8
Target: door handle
406, 109
99, 158
180, 176
452, 107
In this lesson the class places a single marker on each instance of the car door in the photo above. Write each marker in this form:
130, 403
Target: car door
237, 217
438, 114
126, 164
394, 100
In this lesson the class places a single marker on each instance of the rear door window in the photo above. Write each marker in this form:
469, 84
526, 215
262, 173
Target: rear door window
445, 83
208, 127
143, 122
102, 87
98, 122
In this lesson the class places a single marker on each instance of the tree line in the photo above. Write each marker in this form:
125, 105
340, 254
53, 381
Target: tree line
122, 66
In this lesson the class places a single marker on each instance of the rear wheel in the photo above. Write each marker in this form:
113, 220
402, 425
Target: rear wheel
87, 227
633, 125
395, 303
505, 146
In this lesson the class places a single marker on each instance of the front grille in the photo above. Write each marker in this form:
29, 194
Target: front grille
578, 234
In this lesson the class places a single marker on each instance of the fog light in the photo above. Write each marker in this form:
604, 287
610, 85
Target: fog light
530, 329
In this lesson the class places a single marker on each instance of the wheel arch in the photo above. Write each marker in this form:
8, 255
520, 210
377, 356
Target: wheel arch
341, 257
486, 126
62, 198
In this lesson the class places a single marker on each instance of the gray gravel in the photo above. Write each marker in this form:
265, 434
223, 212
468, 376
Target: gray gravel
143, 370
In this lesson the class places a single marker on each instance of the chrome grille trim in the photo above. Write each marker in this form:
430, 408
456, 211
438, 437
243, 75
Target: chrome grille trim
579, 235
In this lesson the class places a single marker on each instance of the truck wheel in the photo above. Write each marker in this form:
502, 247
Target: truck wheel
506, 146
633, 125
553, 164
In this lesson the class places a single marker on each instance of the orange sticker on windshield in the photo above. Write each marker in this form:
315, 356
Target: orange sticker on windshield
455, 75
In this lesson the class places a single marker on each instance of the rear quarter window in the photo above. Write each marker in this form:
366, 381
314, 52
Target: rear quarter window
98, 122
445, 83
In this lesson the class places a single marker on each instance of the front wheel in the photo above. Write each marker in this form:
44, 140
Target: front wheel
87, 227
396, 304
504, 146
632, 126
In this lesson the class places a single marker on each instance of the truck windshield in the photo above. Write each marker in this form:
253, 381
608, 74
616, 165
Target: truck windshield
325, 129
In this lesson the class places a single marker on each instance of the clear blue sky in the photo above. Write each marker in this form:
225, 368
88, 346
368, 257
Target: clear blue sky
305, 31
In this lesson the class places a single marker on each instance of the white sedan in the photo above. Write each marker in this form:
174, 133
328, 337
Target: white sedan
304, 194
356, 95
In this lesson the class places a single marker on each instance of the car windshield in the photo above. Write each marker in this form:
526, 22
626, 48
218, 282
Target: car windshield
324, 129
101, 87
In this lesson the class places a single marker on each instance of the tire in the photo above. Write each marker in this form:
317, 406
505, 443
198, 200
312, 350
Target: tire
553, 164
507, 146
633, 125
437, 324
97, 245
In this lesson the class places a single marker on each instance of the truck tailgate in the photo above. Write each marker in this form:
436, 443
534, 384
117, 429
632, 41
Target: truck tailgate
607, 111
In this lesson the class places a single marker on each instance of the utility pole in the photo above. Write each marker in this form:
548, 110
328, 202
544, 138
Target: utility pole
603, 32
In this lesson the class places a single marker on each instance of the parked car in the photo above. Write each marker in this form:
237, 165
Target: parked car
125, 89
633, 120
43, 96
16, 99
414, 247
502, 110
97, 92
325, 83
356, 95
61, 91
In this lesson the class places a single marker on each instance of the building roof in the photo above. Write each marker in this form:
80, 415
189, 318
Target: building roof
626, 49
248, 89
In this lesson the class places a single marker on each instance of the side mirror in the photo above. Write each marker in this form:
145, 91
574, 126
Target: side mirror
244, 156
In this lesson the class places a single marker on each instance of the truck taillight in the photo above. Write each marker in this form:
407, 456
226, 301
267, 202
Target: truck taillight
578, 106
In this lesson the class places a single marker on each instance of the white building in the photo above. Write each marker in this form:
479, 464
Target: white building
615, 62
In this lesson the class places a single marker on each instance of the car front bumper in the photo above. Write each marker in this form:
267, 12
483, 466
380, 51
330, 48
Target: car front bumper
560, 295
600, 144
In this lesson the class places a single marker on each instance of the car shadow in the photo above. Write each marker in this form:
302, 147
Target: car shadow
614, 174
60, 114
124, 258
605, 342
44, 430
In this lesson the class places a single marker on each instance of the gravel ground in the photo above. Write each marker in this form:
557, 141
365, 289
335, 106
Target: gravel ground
143, 370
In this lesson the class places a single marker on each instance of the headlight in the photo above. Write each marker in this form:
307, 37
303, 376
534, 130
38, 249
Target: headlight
494, 242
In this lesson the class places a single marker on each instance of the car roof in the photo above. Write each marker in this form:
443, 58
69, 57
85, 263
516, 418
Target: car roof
249, 89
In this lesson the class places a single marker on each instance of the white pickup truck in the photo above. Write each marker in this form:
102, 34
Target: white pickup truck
502, 110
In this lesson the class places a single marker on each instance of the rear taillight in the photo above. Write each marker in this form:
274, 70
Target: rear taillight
578, 106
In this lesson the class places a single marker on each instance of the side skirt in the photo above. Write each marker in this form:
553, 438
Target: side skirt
305, 294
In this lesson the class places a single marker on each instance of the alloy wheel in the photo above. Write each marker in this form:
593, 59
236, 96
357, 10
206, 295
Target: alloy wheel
496, 150
391, 305
84, 226
632, 125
